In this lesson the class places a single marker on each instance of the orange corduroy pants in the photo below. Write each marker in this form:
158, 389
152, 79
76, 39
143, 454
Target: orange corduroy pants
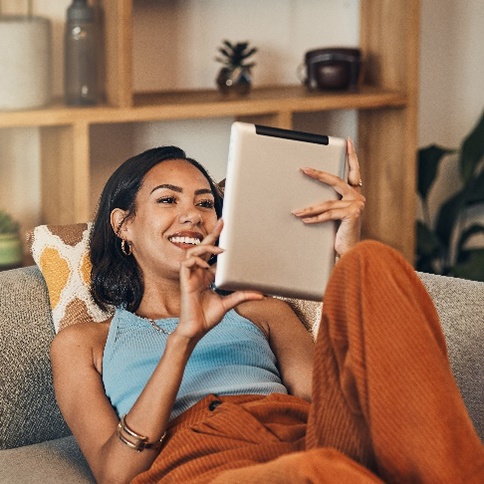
385, 405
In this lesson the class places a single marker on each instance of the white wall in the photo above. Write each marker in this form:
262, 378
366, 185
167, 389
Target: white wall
451, 69
451, 82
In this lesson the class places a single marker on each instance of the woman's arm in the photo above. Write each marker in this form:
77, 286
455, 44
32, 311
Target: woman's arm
75, 355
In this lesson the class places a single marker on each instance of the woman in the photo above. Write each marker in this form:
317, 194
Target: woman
186, 385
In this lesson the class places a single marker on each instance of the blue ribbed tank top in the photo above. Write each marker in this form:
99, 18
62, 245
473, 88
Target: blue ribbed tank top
234, 358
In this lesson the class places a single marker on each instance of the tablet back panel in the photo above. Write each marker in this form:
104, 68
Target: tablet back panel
266, 247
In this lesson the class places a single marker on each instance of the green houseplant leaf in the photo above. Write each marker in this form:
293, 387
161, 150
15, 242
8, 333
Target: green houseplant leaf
476, 189
472, 193
428, 163
448, 215
235, 54
472, 151
472, 268
464, 238
428, 243
7, 224
429, 248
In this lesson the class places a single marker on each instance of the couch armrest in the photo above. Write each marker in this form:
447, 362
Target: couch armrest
460, 304
29, 413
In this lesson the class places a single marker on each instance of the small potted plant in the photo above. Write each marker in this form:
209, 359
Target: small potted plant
235, 75
10, 243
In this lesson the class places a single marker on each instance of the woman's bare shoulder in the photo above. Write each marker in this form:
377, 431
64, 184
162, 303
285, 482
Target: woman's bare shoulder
265, 306
82, 333
80, 340
265, 311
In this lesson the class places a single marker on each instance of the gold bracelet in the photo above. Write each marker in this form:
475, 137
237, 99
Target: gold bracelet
136, 441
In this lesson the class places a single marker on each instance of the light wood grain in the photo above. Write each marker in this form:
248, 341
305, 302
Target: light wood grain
388, 138
118, 41
279, 101
65, 173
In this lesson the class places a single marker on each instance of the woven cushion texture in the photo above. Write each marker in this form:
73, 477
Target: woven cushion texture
28, 411
460, 304
62, 254
57, 461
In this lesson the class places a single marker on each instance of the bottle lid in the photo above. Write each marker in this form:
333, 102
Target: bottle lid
80, 11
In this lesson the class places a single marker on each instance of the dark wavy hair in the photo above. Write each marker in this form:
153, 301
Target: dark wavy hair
116, 278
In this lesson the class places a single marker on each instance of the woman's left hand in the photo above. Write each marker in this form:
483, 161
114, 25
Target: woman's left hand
347, 209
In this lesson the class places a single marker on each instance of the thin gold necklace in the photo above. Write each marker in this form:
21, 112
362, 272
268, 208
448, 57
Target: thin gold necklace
160, 329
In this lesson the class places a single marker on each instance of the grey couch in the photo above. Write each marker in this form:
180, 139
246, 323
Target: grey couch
35, 443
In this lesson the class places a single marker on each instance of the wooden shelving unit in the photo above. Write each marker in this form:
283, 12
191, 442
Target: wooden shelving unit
387, 121
198, 104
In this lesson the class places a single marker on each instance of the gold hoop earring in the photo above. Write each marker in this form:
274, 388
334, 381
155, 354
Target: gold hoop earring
126, 251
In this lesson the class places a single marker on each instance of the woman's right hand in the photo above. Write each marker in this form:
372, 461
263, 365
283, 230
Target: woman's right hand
201, 307
347, 209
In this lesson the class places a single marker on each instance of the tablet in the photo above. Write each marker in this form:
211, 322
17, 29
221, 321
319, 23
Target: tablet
267, 248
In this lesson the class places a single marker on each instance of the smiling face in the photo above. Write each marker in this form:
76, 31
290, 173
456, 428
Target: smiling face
174, 211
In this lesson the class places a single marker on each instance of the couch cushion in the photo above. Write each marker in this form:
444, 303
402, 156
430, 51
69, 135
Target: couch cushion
28, 410
460, 304
309, 312
54, 462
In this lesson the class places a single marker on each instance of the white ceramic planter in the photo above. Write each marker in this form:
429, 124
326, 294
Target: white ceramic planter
10, 250
25, 62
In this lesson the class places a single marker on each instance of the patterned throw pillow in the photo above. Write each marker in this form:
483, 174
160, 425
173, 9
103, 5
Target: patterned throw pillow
61, 252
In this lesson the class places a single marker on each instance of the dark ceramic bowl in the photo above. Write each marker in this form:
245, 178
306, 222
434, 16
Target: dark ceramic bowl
333, 69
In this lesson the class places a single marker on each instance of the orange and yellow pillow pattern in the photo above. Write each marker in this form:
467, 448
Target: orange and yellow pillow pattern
61, 252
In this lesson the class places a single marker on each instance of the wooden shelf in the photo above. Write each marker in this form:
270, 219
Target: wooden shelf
265, 100
198, 104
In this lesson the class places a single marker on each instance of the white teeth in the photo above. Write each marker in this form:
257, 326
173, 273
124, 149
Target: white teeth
184, 240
